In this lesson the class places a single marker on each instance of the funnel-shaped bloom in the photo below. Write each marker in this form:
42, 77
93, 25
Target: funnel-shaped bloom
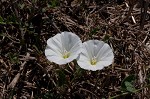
63, 48
95, 55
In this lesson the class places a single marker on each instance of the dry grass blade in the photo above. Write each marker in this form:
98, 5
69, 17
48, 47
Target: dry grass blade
16, 78
14, 81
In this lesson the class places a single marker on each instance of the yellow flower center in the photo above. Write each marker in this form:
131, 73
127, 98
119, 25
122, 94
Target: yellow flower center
93, 61
66, 54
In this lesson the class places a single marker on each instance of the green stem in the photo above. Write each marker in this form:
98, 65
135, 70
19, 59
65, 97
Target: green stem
122, 94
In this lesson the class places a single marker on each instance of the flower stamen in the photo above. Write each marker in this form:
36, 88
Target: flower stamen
93, 61
66, 54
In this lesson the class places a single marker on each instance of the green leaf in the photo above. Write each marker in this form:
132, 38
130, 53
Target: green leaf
44, 9
94, 31
14, 58
3, 34
106, 38
12, 93
130, 87
2, 20
127, 84
53, 3
21, 5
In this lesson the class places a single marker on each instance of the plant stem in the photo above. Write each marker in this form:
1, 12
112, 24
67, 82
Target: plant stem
122, 94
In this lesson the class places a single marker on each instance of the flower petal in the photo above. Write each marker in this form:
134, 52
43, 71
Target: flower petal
104, 51
83, 63
61, 43
88, 49
69, 40
53, 56
100, 50
54, 43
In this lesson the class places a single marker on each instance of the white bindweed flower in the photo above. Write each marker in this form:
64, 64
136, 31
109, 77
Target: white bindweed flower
95, 55
63, 48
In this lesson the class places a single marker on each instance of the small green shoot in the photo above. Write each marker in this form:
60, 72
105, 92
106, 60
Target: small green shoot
128, 84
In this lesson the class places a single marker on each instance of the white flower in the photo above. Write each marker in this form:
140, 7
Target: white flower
95, 55
63, 48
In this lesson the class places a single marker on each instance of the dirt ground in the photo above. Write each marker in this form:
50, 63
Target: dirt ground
25, 26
